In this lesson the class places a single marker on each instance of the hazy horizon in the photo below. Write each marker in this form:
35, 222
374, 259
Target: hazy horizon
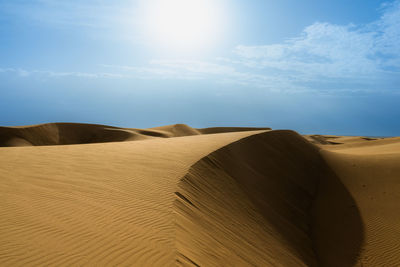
331, 67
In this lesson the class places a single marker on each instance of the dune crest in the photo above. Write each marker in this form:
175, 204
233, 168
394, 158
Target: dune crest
177, 195
253, 202
81, 133
96, 204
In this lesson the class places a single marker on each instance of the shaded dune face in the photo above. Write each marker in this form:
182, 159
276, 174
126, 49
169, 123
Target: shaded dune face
256, 202
337, 228
61, 134
108, 204
79, 133
209, 197
370, 170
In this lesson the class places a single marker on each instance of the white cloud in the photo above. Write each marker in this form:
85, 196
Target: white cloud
194, 66
389, 30
86, 13
323, 50
199, 70
363, 54
19, 72
96, 19
323, 57
55, 74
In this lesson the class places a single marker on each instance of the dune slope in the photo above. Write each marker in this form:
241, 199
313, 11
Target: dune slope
65, 134
370, 171
95, 204
196, 197
80, 133
251, 203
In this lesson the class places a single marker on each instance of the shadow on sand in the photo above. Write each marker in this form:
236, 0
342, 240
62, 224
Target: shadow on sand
337, 226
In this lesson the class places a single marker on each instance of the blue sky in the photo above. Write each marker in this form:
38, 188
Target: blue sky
312, 66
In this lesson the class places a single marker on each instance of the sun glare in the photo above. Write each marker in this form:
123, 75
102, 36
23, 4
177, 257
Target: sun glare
183, 24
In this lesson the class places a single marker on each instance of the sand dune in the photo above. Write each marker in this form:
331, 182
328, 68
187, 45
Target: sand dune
370, 171
78, 133
249, 203
196, 197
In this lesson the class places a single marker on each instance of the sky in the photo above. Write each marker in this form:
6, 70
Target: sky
317, 67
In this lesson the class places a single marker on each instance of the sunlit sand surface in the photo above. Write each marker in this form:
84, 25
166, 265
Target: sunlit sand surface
95, 195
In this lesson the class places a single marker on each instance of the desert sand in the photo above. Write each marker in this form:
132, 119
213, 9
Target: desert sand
96, 195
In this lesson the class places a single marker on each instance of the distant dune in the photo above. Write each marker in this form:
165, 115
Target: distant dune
78, 133
181, 196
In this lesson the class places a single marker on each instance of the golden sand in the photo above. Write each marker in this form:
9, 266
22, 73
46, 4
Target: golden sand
95, 195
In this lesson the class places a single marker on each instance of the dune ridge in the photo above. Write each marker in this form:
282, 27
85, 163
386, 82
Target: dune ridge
81, 133
266, 184
176, 195
104, 204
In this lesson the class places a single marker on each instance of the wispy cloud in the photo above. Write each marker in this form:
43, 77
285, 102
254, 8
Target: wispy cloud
324, 56
55, 74
100, 20
357, 54
86, 13
200, 70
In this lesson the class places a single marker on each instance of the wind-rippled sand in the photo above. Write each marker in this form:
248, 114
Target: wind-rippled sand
94, 195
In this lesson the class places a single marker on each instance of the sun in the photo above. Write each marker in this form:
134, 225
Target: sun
183, 24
